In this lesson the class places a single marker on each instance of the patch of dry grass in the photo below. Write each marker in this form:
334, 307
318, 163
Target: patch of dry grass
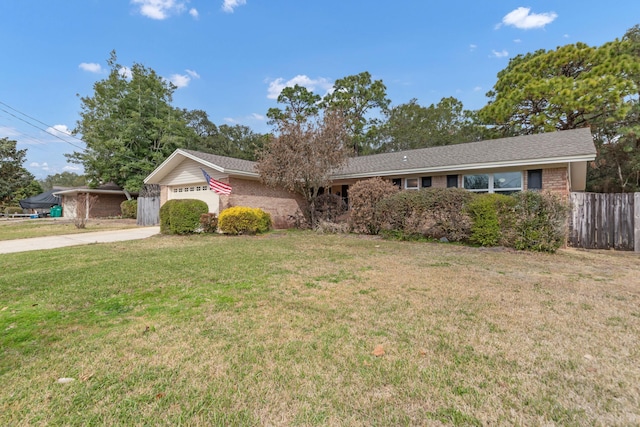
281, 330
21, 229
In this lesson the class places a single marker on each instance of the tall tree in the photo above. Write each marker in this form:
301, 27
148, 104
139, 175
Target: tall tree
409, 126
64, 179
300, 104
129, 126
15, 180
237, 141
303, 155
359, 99
571, 87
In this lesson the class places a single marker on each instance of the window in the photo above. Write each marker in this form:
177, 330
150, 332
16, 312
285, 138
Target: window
534, 179
502, 182
426, 181
411, 183
452, 181
397, 182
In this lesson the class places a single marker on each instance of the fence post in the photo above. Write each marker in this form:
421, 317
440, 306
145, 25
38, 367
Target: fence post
636, 222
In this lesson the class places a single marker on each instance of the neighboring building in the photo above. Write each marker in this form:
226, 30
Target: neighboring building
555, 161
107, 202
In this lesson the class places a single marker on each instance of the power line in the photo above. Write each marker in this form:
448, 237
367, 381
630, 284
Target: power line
46, 130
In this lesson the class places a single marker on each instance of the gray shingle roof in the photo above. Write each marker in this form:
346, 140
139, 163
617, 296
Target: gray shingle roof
521, 149
227, 163
529, 149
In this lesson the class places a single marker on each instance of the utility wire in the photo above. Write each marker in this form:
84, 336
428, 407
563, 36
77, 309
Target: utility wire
46, 130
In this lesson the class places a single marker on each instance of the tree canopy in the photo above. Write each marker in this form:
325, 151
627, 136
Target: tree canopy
64, 179
129, 126
16, 182
358, 98
410, 126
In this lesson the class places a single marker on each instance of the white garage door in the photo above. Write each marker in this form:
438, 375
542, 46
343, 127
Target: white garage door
198, 192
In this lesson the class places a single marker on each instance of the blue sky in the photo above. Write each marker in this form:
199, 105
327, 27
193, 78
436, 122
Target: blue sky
231, 57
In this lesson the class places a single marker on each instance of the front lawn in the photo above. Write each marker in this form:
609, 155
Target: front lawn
20, 229
295, 328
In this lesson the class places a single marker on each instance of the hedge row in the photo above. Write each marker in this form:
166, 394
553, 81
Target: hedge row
525, 220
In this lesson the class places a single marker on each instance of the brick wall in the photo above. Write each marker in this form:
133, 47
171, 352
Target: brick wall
556, 181
107, 205
278, 202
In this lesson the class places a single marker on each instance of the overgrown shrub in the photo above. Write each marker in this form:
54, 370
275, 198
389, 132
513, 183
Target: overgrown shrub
181, 216
10, 210
433, 213
364, 196
328, 207
129, 209
492, 219
540, 221
209, 222
244, 220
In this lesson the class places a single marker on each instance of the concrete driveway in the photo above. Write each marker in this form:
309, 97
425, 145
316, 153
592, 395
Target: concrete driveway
51, 242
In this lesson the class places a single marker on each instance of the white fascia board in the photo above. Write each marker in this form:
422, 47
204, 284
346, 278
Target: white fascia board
88, 190
471, 166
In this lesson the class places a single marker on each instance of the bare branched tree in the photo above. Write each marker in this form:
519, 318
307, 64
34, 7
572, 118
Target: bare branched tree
303, 155
82, 206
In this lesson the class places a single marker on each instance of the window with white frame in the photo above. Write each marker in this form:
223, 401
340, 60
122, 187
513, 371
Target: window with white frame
501, 182
411, 183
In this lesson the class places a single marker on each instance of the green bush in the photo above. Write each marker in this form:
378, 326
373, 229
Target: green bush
492, 219
209, 222
244, 220
129, 209
432, 213
540, 221
181, 216
364, 196
10, 210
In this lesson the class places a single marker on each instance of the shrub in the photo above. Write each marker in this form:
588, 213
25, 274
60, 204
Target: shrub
181, 216
492, 219
209, 222
244, 220
10, 210
129, 209
328, 207
364, 196
433, 213
540, 222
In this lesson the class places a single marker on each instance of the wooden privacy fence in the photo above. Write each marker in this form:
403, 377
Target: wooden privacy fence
149, 205
605, 221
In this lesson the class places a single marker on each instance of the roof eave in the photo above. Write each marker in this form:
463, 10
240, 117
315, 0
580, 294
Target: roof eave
471, 166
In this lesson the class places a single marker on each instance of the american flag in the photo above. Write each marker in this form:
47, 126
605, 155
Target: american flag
217, 186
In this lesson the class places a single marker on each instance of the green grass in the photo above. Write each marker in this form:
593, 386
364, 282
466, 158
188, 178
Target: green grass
22, 229
280, 330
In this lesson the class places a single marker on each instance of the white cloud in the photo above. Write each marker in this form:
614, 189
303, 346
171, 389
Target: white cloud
257, 116
183, 80
91, 67
517, 41
194, 12
522, 18
229, 120
230, 5
276, 86
44, 166
59, 130
159, 9
477, 88
126, 72
473, 47
566, 36
193, 74
7, 132
71, 168
495, 54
